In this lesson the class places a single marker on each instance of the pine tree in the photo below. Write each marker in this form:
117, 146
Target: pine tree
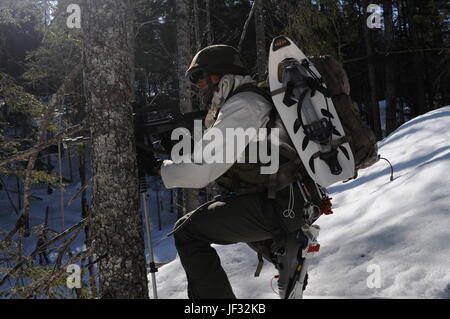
116, 221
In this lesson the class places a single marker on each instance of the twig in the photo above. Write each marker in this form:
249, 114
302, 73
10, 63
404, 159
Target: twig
65, 246
21, 155
82, 189
9, 197
379, 53
56, 272
40, 249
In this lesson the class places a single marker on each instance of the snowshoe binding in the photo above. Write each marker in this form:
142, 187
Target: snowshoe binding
292, 262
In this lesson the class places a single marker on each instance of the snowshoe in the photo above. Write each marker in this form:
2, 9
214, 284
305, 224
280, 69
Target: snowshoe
292, 262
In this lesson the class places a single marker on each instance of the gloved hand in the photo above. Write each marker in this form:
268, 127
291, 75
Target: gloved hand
157, 167
148, 164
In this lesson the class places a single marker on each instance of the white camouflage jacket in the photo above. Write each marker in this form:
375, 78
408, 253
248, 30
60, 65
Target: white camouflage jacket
244, 110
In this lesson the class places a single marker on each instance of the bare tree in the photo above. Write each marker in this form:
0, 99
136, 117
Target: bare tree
116, 226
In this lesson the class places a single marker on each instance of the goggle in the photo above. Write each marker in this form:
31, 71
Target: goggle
196, 76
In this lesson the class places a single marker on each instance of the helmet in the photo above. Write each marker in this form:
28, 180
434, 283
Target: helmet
216, 59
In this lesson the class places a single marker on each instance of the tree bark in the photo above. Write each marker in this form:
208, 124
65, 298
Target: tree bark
116, 226
261, 53
184, 54
391, 104
418, 60
209, 35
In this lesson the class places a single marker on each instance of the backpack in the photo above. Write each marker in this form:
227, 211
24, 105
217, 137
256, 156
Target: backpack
361, 138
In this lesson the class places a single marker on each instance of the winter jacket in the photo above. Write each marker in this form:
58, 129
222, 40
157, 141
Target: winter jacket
244, 110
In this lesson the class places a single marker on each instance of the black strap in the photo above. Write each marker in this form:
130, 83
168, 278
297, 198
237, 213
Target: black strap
252, 87
260, 264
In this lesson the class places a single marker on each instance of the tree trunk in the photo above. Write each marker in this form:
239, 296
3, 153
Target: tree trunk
418, 67
116, 225
190, 196
209, 35
261, 53
372, 75
184, 55
391, 105
84, 214
198, 38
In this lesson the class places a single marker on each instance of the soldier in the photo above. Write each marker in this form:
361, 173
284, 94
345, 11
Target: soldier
264, 211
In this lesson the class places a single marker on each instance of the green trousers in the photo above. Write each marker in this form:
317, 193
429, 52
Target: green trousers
251, 219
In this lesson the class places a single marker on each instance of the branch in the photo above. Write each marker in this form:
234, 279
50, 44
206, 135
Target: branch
40, 249
66, 246
82, 189
48, 116
57, 272
9, 197
21, 155
247, 22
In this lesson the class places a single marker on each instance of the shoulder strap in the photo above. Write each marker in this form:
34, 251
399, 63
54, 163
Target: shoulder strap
252, 87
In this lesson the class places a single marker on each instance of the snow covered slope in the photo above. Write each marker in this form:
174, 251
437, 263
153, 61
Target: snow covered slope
399, 230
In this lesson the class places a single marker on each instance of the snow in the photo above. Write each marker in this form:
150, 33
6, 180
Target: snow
397, 229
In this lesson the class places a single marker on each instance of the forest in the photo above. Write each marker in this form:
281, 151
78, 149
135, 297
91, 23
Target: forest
73, 73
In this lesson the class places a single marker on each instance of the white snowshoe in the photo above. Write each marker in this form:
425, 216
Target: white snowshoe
308, 114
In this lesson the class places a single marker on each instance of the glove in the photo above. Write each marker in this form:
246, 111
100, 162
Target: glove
148, 164
157, 166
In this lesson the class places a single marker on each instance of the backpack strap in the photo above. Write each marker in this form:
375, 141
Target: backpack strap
253, 87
